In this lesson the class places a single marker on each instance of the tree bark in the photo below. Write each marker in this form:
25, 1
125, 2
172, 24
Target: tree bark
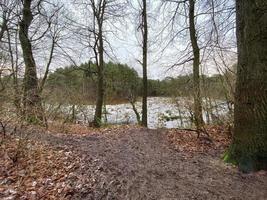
100, 67
3, 27
31, 98
145, 38
249, 147
198, 119
14, 68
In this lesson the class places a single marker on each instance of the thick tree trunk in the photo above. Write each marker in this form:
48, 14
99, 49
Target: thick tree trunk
249, 147
198, 119
31, 98
145, 38
100, 81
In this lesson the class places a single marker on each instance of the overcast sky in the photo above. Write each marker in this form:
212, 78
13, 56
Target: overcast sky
125, 40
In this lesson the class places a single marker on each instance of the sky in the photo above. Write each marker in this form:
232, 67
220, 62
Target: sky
124, 40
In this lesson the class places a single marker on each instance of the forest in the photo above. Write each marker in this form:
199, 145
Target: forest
133, 99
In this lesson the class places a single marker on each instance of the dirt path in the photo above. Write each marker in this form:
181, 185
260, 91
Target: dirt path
139, 164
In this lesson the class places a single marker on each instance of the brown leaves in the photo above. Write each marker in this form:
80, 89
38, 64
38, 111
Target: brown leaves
39, 173
187, 141
36, 170
83, 130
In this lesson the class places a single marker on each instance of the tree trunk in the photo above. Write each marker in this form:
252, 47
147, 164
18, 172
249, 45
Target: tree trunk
249, 147
145, 38
31, 98
136, 112
14, 67
3, 28
73, 113
198, 119
100, 80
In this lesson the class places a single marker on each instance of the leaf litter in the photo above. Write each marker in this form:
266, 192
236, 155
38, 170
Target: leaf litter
122, 162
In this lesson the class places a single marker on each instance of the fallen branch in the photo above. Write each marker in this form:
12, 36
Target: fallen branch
198, 132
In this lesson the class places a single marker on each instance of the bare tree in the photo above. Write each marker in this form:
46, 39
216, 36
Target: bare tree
99, 10
31, 89
144, 29
140, 8
8, 16
32, 100
196, 65
93, 33
198, 20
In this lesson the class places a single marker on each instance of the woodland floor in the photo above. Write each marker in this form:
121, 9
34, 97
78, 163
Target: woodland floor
124, 163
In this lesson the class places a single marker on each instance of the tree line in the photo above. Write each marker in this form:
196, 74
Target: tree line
77, 85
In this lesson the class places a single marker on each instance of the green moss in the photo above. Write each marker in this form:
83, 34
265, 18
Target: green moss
228, 157
246, 161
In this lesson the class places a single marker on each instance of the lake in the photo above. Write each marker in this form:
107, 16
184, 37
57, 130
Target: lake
162, 112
